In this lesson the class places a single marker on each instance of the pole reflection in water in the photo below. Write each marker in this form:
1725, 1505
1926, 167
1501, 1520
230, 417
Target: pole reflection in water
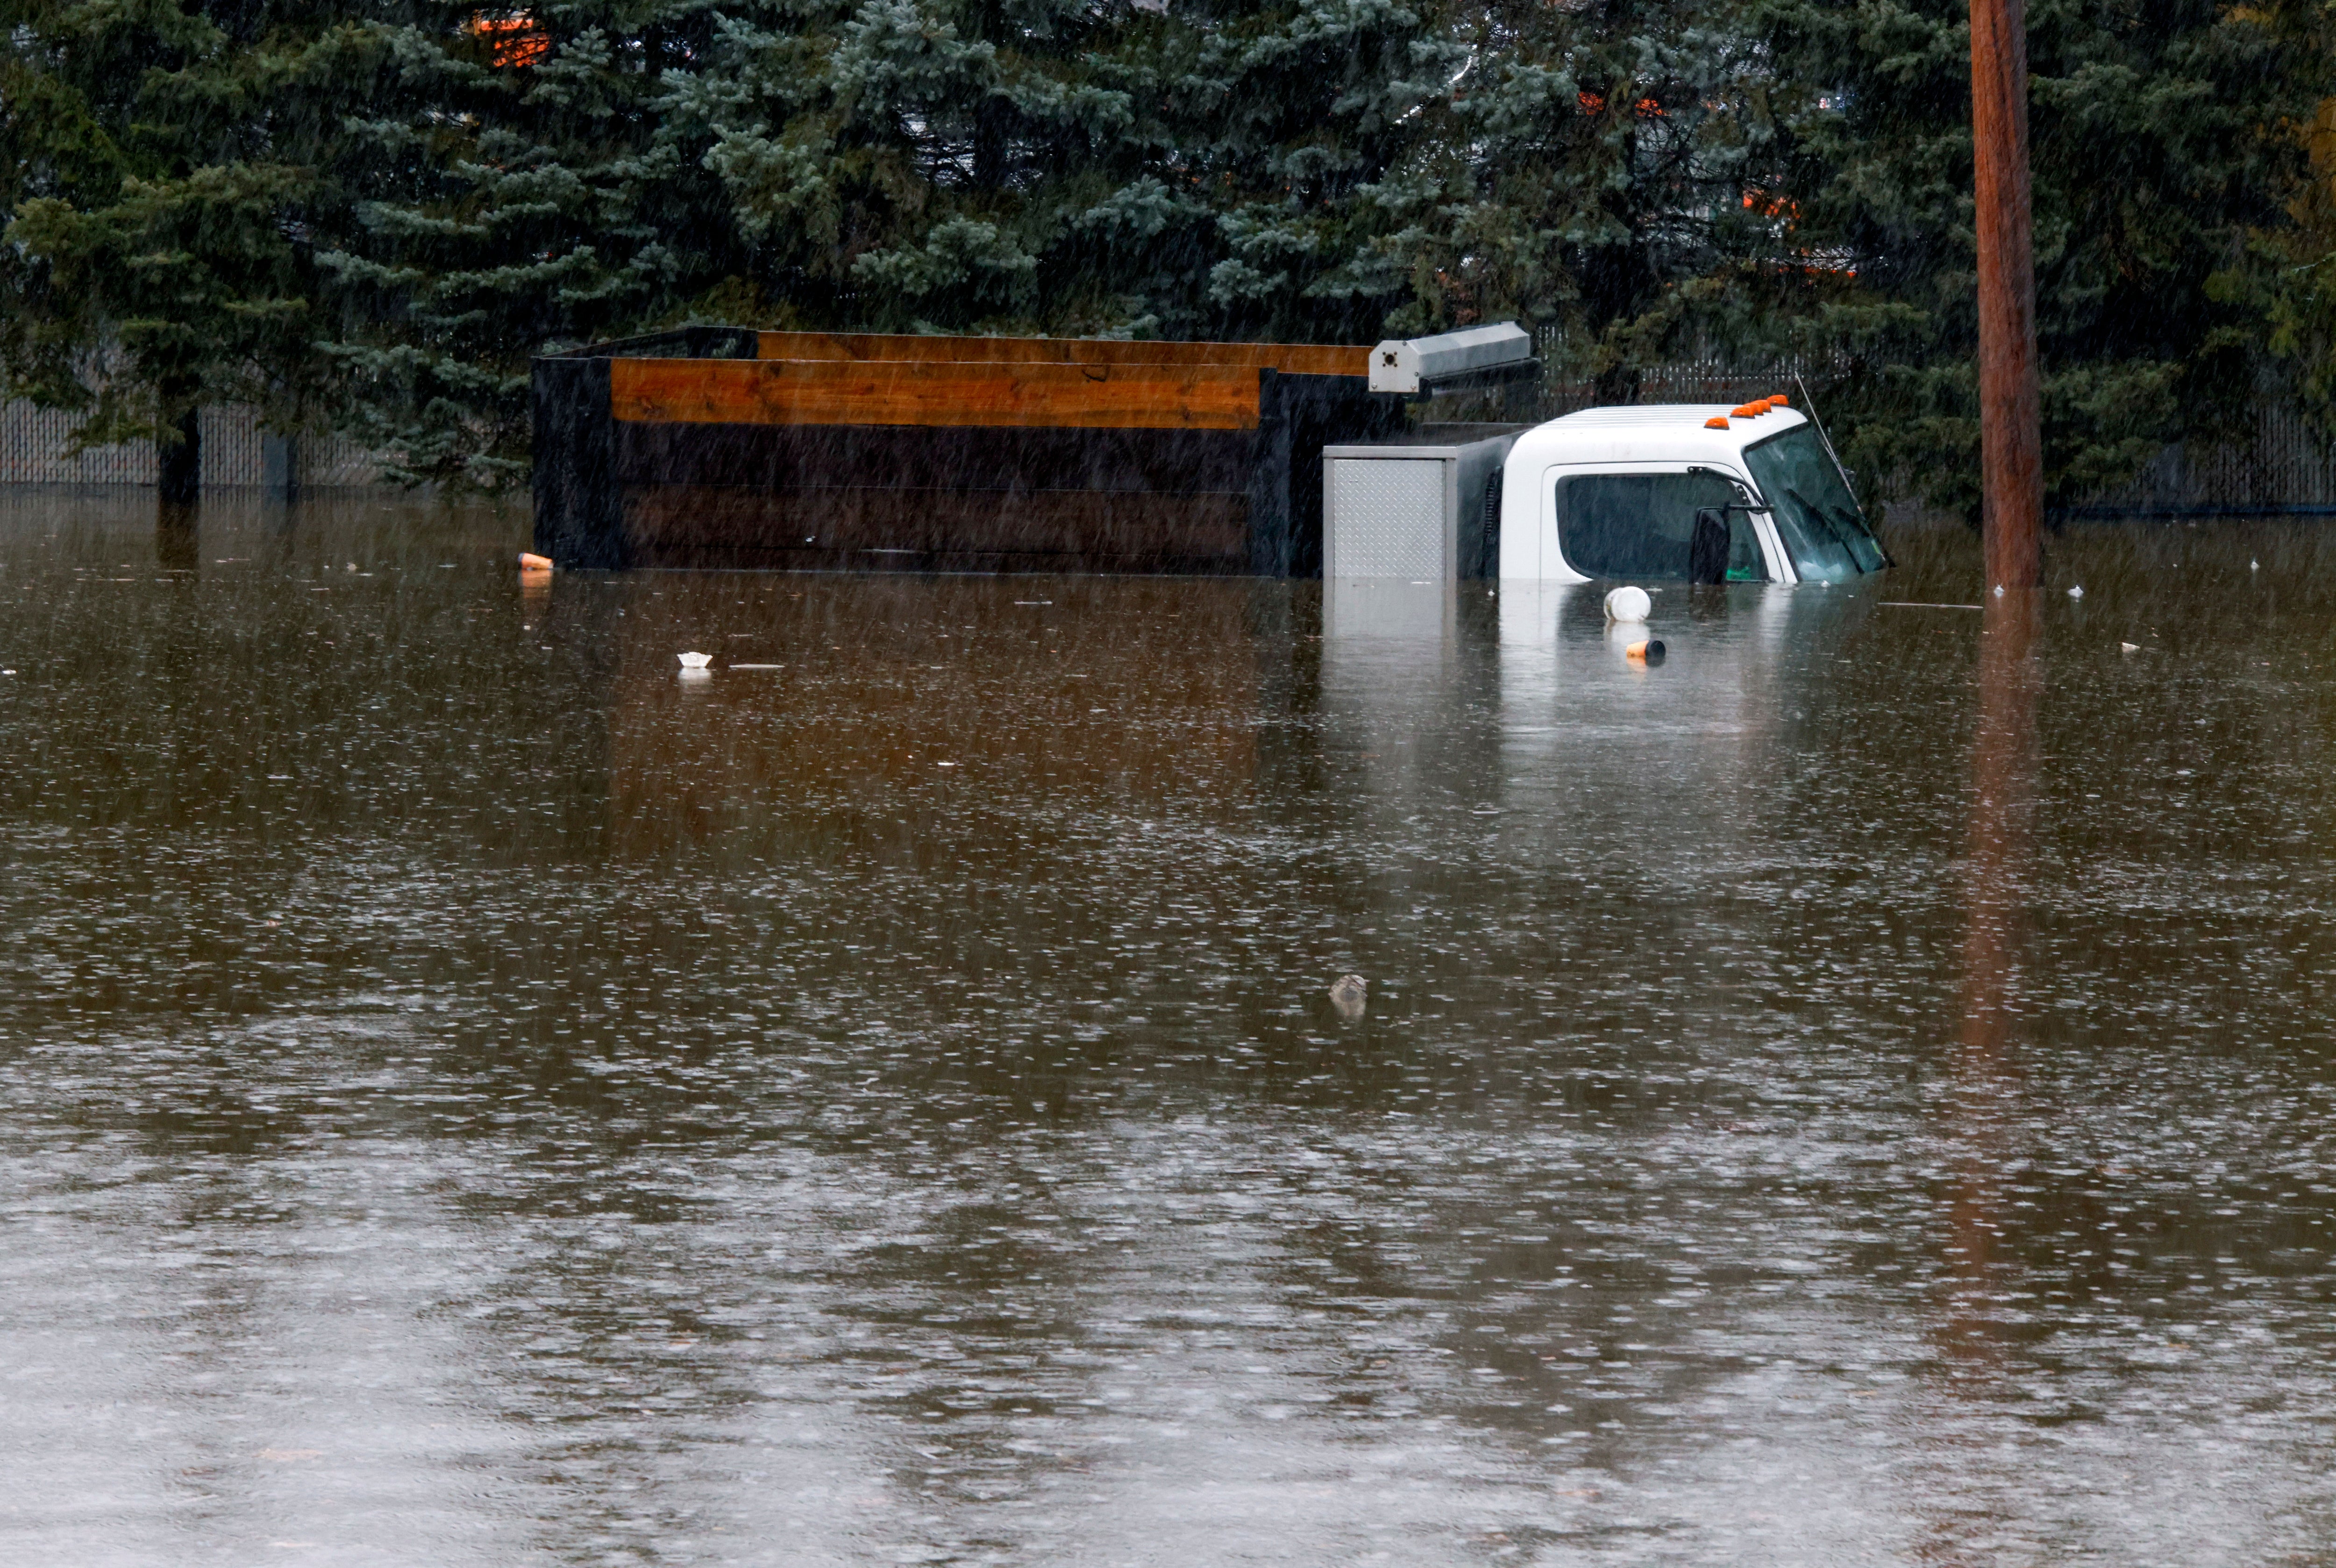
2003, 801
1982, 1104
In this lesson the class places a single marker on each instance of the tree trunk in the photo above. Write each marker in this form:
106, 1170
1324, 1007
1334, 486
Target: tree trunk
990, 167
181, 461
992, 115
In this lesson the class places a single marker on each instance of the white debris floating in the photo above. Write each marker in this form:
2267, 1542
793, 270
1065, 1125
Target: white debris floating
2078, 592
696, 660
1628, 605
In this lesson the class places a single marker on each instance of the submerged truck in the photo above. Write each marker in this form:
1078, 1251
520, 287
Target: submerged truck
1652, 493
724, 446
1681, 492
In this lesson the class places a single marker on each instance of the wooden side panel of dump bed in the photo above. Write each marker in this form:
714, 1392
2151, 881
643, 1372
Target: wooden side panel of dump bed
1202, 397
963, 454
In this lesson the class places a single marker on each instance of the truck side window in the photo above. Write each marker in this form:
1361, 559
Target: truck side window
1641, 525
1747, 563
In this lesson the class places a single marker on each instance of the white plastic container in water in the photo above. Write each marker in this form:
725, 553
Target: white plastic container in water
1628, 605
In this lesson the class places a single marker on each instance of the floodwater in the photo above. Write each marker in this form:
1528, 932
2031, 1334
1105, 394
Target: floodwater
1859, 1092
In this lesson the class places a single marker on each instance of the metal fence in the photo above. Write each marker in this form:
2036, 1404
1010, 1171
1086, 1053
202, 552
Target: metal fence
35, 450
2286, 467
1677, 383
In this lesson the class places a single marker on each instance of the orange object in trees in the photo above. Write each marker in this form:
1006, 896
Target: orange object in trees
515, 38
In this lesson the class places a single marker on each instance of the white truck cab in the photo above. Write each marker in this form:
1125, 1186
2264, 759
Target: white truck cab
1624, 493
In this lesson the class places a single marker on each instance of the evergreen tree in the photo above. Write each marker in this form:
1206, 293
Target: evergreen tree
160, 163
2162, 150
1064, 166
1302, 127
376, 211
2300, 295
521, 182
898, 166
1588, 174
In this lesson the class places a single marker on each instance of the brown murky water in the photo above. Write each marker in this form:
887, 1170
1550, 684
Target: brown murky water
1857, 1093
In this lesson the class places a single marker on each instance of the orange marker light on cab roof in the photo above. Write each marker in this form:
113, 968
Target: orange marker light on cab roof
1748, 411
1778, 400
1717, 423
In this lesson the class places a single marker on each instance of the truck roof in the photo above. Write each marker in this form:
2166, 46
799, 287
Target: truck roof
1651, 433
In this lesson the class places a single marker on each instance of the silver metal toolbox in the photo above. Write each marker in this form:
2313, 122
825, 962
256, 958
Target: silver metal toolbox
1421, 507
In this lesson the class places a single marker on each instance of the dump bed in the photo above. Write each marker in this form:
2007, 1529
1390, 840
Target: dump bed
720, 446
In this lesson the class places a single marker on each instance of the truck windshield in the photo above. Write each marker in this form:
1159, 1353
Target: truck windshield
1817, 518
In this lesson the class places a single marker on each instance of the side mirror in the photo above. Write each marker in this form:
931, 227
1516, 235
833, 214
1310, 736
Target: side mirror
1707, 550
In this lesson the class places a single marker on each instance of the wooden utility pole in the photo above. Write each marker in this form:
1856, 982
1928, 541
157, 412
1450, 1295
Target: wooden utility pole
2010, 433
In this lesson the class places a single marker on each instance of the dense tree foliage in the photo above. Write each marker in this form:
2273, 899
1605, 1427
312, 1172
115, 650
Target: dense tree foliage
2301, 295
163, 172
2165, 145
372, 212
1062, 166
520, 182
1605, 173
